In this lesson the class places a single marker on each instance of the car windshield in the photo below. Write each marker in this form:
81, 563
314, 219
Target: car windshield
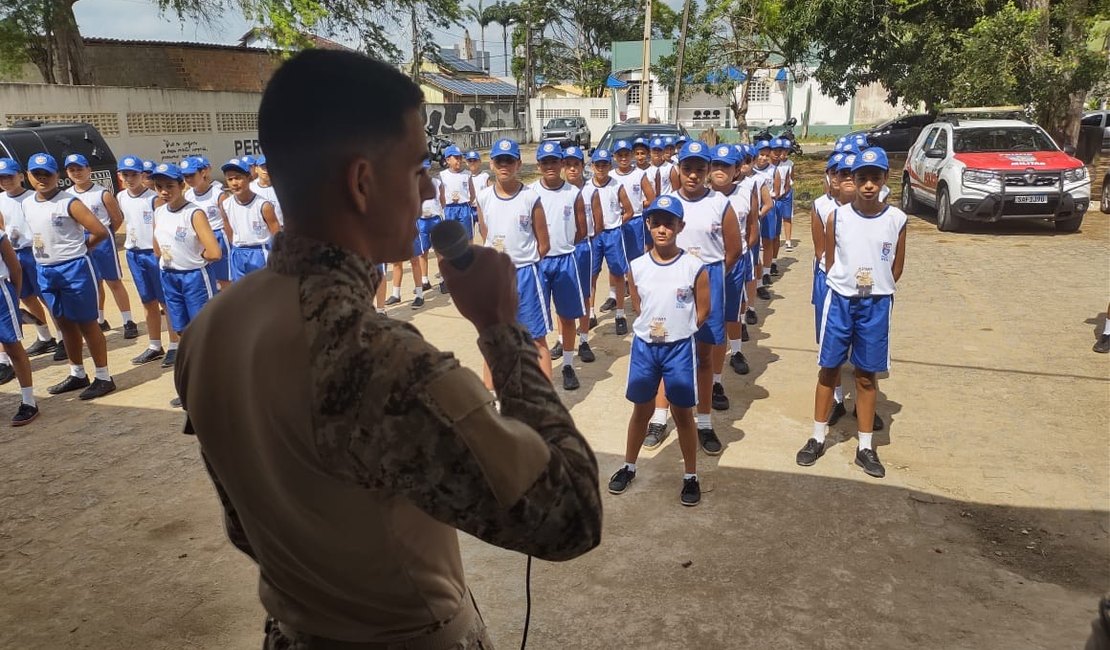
560, 123
1002, 139
648, 132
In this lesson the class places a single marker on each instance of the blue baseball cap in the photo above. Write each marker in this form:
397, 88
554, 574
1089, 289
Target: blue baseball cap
834, 160
189, 166
873, 157
202, 162
129, 164
549, 150
453, 151
621, 145
248, 160
76, 159
9, 167
778, 143
503, 147
640, 142
846, 162
473, 155
668, 141
260, 160
148, 166
666, 205
694, 149
238, 164
42, 160
427, 163
658, 144
762, 144
574, 152
601, 155
168, 170
723, 153
681, 139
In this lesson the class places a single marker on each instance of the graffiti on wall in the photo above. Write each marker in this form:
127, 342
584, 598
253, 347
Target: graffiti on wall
178, 149
448, 119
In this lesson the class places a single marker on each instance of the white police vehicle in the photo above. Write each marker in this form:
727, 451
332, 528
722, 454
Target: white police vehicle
971, 168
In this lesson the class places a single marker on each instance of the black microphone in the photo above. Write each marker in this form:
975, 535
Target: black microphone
450, 240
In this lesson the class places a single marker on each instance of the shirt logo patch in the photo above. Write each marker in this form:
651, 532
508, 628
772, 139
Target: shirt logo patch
180, 233
888, 248
524, 221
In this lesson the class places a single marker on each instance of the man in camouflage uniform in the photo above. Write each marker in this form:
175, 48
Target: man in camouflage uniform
345, 449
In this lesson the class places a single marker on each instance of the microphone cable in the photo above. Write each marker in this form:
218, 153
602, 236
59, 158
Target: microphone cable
528, 602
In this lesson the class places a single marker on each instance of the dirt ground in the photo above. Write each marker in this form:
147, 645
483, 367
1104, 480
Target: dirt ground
990, 530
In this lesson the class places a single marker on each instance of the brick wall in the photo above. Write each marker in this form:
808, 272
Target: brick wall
173, 65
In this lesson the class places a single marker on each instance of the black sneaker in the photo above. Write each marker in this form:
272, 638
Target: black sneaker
838, 411
418, 302
720, 400
621, 480
7, 373
570, 380
130, 330
869, 461
744, 337
176, 402
1103, 344
774, 268
763, 293
24, 415
656, 435
750, 317
104, 326
593, 322
392, 300
585, 353
443, 288
42, 347
622, 326
68, 384
171, 356
557, 351
609, 305
691, 492
148, 355
766, 280
60, 351
739, 364
809, 454
99, 388
427, 286
709, 442
876, 424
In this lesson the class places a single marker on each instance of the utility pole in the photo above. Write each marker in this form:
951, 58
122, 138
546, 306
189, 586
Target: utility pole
528, 76
678, 63
645, 80
415, 72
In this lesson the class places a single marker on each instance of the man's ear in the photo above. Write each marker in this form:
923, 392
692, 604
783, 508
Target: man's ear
361, 183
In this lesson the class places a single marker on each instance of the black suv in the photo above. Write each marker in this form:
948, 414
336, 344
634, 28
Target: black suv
632, 130
25, 138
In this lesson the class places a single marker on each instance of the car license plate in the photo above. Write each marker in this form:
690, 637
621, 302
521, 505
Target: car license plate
1031, 198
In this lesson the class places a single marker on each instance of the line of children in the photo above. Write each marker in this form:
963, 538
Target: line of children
574, 167
641, 192
784, 179
768, 225
431, 214
15, 363
612, 202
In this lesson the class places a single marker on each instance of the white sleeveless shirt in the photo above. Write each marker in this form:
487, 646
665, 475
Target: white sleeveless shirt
609, 194
270, 195
248, 226
558, 209
741, 201
456, 186
138, 219
667, 311
209, 204
509, 224
823, 206
865, 248
480, 180
703, 235
56, 237
177, 239
93, 198
15, 223
633, 187
665, 177
587, 190
431, 208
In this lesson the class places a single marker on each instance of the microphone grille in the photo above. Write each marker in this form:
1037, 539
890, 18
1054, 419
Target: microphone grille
449, 239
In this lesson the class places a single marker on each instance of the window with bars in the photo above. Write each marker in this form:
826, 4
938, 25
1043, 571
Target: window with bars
599, 113
236, 122
548, 113
634, 92
156, 123
106, 123
759, 90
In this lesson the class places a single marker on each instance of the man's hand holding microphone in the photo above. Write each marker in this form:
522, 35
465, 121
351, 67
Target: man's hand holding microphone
482, 280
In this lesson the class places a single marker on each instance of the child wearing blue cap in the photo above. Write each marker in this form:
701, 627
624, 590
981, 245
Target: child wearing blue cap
431, 214
58, 222
250, 220
660, 171
104, 257
640, 191
457, 190
865, 249
479, 178
612, 202
574, 168
641, 153
768, 226
207, 195
674, 303
785, 171
512, 221
264, 187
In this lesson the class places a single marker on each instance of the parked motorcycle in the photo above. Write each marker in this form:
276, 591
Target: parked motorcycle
436, 146
787, 133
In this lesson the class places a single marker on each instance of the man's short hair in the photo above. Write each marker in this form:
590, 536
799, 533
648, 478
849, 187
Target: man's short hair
319, 107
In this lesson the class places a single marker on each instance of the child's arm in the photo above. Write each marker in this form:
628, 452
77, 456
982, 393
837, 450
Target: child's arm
701, 296
752, 235
676, 178
84, 216
789, 181
730, 230
817, 232
115, 214
830, 241
579, 219
599, 219
207, 238
473, 194
483, 230
900, 255
229, 232
768, 202
539, 228
15, 270
626, 205
442, 193
648, 189
776, 191
269, 215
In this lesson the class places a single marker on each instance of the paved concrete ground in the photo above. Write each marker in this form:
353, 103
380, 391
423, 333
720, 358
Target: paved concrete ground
990, 530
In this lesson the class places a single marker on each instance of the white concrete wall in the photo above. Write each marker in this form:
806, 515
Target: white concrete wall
598, 112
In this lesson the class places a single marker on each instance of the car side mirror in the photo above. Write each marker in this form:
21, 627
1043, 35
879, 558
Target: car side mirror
1070, 150
935, 152
591, 151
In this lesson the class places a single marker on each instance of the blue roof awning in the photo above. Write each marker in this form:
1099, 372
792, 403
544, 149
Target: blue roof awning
613, 82
782, 75
729, 73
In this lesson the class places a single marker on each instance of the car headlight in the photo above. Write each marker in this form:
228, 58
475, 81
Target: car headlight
981, 177
1075, 175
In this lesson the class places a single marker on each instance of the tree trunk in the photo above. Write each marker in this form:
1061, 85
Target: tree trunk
740, 109
71, 62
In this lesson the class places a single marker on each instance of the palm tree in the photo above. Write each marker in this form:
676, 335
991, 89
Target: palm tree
504, 14
483, 17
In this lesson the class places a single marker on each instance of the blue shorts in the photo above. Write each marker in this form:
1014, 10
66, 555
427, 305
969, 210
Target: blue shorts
635, 238
245, 259
734, 288
11, 327
562, 282
786, 207
474, 214
423, 242
69, 289
713, 330
146, 274
610, 246
461, 212
220, 271
771, 224
820, 290
104, 259
584, 255
673, 363
531, 312
858, 325
186, 293
30, 273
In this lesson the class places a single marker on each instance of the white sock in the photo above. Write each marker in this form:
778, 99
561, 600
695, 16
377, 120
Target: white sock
620, 313
419, 291
126, 316
612, 293
864, 440
687, 477
77, 371
43, 332
705, 421
396, 292
716, 379
100, 316
102, 374
568, 358
582, 336
381, 312
631, 467
819, 431
155, 344
838, 394
734, 345
1106, 326
172, 346
28, 396
5, 359
659, 417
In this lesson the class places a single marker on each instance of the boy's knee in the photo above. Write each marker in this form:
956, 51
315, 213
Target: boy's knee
865, 380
